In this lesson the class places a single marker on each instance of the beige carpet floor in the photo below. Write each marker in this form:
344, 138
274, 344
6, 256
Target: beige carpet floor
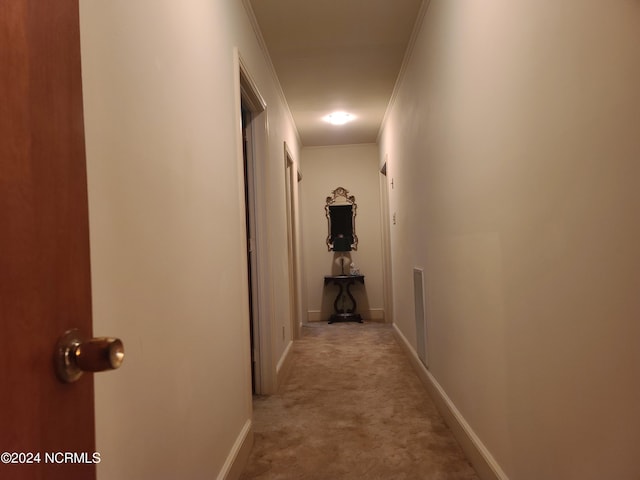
352, 408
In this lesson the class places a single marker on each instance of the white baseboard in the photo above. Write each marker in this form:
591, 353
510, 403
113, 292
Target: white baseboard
284, 366
479, 456
372, 315
239, 454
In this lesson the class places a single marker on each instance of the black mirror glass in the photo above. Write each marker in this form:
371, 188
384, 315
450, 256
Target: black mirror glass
341, 217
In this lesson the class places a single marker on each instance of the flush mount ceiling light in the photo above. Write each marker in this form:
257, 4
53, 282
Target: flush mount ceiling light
338, 118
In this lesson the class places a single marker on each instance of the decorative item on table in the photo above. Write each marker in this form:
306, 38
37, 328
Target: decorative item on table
342, 261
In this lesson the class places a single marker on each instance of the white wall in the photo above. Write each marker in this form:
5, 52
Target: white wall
167, 229
514, 147
354, 167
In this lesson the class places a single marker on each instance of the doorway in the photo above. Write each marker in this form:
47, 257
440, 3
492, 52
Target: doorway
291, 180
387, 284
253, 115
249, 194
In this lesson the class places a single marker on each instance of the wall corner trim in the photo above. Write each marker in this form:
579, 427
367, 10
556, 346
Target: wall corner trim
417, 26
239, 454
479, 456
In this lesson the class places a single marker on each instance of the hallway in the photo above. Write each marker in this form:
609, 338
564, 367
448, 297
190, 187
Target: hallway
503, 166
351, 408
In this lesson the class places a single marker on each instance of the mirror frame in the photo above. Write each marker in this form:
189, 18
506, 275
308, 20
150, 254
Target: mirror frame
340, 196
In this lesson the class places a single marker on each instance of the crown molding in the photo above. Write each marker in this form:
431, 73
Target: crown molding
265, 51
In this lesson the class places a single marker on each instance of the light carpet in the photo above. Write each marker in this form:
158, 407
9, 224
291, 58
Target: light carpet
352, 408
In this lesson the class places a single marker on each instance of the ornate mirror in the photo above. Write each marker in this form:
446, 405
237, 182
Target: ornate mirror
341, 218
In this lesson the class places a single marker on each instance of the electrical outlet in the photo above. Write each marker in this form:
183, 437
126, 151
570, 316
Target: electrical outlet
394, 218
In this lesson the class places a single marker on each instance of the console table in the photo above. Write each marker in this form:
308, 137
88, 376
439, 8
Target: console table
344, 311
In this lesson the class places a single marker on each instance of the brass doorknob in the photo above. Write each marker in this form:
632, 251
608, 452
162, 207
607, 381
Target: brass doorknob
76, 354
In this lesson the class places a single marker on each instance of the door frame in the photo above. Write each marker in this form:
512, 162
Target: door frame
387, 272
247, 94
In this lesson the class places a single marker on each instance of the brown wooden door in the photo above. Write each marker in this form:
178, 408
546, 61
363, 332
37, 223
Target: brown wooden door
44, 244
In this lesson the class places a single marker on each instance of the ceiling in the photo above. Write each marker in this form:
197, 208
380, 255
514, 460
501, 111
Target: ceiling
337, 55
